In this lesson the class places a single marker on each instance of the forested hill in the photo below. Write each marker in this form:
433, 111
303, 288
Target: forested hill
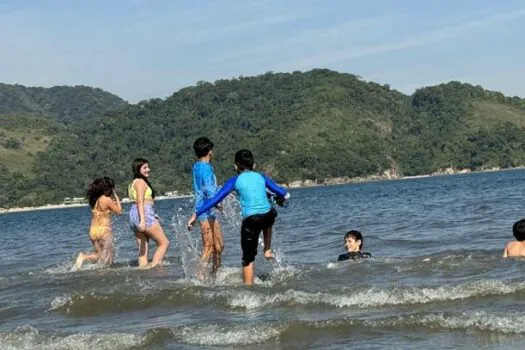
313, 125
65, 104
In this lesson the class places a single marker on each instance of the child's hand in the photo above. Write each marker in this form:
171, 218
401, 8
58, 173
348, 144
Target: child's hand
282, 201
191, 221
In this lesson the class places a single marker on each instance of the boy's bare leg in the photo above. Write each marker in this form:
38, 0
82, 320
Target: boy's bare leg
267, 237
247, 274
207, 247
218, 246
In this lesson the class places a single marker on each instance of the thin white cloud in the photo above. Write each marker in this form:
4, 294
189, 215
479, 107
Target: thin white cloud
152, 49
197, 35
440, 34
333, 33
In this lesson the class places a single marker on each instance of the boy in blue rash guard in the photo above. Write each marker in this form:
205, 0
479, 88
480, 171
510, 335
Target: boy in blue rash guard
205, 187
257, 213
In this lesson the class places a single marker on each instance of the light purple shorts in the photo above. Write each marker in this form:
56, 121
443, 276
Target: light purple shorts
149, 213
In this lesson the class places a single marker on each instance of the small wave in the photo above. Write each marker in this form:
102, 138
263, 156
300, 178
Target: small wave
227, 335
236, 335
466, 321
95, 304
170, 293
374, 297
480, 321
27, 337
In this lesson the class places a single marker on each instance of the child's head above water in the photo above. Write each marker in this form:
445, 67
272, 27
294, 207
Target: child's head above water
202, 147
244, 160
518, 229
102, 186
354, 241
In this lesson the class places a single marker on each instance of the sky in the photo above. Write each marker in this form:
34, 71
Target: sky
141, 49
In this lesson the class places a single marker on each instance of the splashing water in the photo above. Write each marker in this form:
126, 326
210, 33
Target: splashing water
230, 215
187, 243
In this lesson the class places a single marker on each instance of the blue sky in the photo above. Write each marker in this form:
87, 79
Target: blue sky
139, 49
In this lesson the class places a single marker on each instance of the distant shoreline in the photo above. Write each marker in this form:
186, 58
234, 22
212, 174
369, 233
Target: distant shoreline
74, 205
389, 176
292, 185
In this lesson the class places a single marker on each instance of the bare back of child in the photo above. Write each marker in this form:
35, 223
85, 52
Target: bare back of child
516, 248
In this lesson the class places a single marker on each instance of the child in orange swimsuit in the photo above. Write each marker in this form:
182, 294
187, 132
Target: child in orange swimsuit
103, 201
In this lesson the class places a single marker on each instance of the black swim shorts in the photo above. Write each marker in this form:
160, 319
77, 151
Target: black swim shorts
250, 230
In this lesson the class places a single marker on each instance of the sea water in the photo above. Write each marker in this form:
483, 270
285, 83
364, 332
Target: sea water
436, 279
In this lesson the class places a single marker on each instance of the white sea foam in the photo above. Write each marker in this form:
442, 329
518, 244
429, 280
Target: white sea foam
332, 265
64, 267
477, 320
229, 276
508, 323
375, 297
227, 335
27, 337
59, 302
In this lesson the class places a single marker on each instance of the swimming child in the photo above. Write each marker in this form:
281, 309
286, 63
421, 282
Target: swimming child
142, 218
104, 201
353, 244
516, 248
257, 212
205, 187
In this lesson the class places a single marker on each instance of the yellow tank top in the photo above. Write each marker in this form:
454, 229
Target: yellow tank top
132, 193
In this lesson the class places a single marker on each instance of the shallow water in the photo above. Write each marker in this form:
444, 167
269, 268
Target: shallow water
436, 279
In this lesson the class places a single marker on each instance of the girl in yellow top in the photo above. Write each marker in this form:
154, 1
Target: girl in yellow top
103, 201
142, 216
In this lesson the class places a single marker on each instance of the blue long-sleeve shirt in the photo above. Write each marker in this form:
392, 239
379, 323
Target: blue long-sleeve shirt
204, 182
251, 189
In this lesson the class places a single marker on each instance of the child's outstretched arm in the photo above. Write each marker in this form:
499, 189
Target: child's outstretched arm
278, 190
216, 199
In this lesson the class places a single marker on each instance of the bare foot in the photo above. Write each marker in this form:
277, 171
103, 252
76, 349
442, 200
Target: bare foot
201, 271
268, 254
149, 266
144, 267
80, 261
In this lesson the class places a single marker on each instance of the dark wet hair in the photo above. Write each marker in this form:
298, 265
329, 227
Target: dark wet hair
101, 186
357, 236
202, 146
135, 167
244, 160
518, 229
110, 186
